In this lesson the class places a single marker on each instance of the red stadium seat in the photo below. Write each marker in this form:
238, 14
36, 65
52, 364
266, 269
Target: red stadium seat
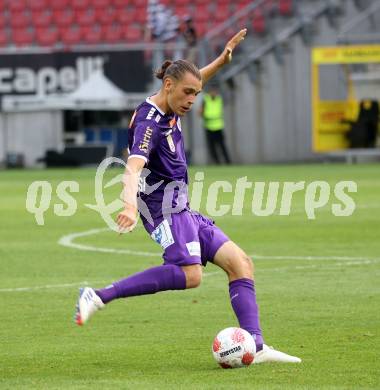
285, 7
47, 36
37, 5
85, 17
221, 13
3, 20
140, 16
42, 18
22, 37
140, 3
63, 18
243, 22
80, 4
101, 3
133, 34
71, 36
59, 4
3, 38
19, 19
202, 14
17, 5
242, 4
126, 16
258, 22
181, 2
270, 6
112, 34
92, 35
120, 3
201, 28
181, 12
219, 3
106, 16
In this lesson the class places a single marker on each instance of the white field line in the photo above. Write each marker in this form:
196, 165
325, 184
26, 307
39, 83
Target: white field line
46, 286
327, 208
77, 284
319, 267
68, 241
315, 258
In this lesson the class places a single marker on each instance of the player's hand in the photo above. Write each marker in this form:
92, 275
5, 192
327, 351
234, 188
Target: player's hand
127, 219
231, 44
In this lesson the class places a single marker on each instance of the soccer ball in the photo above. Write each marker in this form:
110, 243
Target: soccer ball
234, 347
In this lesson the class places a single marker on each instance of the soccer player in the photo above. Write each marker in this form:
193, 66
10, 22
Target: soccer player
188, 238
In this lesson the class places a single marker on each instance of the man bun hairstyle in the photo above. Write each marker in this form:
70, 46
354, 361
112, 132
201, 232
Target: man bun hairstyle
177, 69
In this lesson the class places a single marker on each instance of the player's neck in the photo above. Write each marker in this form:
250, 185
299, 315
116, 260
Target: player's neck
159, 99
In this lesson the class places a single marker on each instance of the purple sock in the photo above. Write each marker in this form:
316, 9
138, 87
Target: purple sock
150, 281
243, 301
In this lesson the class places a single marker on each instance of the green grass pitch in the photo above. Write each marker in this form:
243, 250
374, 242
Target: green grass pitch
318, 286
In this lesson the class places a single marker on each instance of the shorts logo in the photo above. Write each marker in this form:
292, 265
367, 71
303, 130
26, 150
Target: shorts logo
163, 235
171, 143
144, 144
194, 248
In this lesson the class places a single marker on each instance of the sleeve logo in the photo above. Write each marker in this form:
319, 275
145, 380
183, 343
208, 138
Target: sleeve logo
144, 144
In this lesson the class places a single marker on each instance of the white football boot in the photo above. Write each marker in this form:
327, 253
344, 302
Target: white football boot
268, 354
88, 304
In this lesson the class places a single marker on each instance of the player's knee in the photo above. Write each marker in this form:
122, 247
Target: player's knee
246, 266
193, 275
242, 267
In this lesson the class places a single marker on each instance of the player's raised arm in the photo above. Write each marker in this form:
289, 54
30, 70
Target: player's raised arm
211, 69
128, 217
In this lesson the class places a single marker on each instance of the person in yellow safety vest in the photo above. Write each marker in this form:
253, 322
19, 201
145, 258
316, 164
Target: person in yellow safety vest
213, 122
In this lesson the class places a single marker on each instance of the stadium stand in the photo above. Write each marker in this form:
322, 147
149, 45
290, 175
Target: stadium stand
90, 22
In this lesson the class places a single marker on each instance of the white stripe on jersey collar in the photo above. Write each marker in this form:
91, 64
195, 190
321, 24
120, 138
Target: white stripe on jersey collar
155, 106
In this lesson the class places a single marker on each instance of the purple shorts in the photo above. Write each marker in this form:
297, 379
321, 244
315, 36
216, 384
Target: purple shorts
190, 239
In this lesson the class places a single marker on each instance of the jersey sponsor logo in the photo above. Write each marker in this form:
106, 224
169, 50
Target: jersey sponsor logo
194, 248
158, 117
163, 235
171, 143
150, 113
144, 144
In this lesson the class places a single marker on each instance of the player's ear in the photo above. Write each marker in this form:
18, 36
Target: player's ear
168, 84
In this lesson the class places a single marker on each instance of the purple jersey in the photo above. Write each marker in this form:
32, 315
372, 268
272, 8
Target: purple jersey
157, 138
